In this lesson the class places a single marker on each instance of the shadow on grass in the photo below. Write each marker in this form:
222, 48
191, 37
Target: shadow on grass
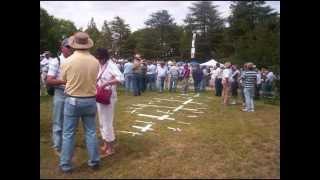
126, 148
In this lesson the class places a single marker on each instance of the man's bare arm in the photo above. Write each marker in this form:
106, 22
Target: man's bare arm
52, 81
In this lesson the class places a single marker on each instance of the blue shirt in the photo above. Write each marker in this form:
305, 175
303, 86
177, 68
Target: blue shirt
128, 68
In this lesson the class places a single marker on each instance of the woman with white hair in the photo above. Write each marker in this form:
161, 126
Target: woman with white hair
109, 76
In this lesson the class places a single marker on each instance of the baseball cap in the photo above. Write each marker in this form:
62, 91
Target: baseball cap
65, 43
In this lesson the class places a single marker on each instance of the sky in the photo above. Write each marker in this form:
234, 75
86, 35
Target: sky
135, 13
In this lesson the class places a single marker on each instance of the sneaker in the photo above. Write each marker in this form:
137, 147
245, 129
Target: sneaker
245, 110
95, 167
66, 171
233, 103
251, 111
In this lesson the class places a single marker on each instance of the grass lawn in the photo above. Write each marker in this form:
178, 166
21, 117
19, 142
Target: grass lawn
221, 142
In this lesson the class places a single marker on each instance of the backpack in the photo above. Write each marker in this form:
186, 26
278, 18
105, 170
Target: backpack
50, 89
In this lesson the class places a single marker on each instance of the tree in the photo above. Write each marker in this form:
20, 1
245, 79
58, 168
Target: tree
46, 22
161, 21
148, 43
205, 19
120, 33
185, 43
105, 40
53, 31
94, 34
129, 46
163, 24
255, 33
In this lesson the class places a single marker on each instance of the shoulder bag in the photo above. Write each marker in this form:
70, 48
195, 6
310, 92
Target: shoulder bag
103, 95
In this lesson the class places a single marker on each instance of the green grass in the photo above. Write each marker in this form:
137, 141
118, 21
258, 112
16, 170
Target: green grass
221, 143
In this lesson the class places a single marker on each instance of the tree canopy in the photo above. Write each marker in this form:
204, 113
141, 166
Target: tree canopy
250, 33
53, 31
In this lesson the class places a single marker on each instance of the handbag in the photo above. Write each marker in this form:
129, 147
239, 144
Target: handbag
103, 95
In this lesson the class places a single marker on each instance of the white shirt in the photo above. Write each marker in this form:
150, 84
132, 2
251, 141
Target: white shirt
174, 71
214, 74
270, 76
205, 72
54, 68
161, 72
44, 64
180, 69
233, 74
111, 72
226, 74
128, 67
219, 73
258, 78
151, 69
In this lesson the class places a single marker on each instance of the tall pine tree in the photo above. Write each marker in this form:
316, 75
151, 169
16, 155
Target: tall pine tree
205, 19
255, 33
163, 23
120, 33
94, 34
105, 40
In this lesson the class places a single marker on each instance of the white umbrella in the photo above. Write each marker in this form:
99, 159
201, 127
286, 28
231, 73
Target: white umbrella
211, 62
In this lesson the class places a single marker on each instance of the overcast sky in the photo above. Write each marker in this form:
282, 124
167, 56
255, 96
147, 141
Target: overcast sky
135, 13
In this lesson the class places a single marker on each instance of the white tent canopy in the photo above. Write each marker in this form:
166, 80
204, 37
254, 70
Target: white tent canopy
211, 62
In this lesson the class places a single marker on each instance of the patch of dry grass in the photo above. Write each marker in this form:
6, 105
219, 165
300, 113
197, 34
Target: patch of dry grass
221, 143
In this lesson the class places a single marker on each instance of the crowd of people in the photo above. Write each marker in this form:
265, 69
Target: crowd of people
224, 79
75, 76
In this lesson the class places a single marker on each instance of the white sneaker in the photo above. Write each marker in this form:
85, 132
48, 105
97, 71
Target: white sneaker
245, 110
251, 111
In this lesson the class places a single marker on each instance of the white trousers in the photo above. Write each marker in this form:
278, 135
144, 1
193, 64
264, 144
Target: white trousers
106, 115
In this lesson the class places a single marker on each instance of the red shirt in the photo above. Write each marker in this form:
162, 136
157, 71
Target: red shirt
186, 73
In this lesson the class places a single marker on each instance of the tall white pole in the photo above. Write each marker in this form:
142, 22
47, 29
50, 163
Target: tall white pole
192, 45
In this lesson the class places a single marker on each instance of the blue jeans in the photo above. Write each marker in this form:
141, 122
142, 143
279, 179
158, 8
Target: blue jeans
151, 82
197, 85
136, 84
203, 84
57, 118
173, 84
218, 86
75, 108
249, 94
141, 82
128, 82
161, 83
268, 89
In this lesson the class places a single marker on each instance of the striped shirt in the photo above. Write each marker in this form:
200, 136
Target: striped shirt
250, 78
44, 65
54, 68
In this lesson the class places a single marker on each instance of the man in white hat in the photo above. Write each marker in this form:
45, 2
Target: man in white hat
80, 73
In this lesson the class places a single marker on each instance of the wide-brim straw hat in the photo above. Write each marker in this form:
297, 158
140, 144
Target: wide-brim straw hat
80, 40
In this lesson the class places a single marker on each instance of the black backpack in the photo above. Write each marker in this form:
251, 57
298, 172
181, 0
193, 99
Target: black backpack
50, 89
